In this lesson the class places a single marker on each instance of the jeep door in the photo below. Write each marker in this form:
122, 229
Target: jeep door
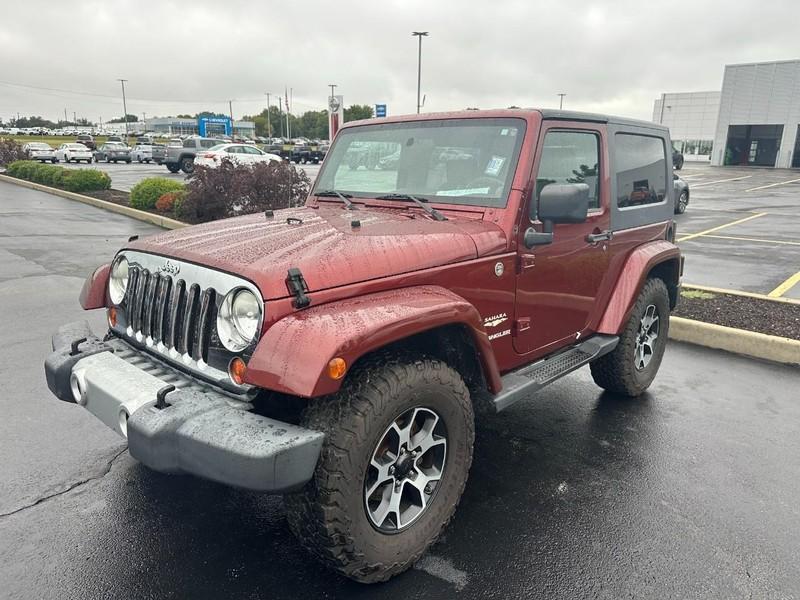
558, 282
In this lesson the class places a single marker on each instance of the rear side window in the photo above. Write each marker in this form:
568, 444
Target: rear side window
188, 143
569, 157
641, 170
208, 143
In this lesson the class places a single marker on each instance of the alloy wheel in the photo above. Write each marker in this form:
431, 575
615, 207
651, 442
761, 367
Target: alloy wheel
405, 469
644, 347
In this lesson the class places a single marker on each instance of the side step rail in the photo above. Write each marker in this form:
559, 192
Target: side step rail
531, 378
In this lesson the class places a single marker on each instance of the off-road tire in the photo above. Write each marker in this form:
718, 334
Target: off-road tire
616, 371
187, 165
328, 515
172, 167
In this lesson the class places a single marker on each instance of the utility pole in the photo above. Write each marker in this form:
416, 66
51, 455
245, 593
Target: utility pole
124, 107
561, 101
663, 101
419, 35
65, 116
74, 117
144, 118
289, 111
269, 121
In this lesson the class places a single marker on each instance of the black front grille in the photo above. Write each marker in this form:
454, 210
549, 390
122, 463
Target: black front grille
165, 310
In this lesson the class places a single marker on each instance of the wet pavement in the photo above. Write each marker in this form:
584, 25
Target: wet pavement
742, 228
689, 491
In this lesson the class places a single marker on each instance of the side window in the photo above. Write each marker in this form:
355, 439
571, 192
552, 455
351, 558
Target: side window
188, 143
208, 143
569, 157
641, 169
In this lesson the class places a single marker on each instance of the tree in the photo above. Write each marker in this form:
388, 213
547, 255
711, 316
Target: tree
128, 118
32, 122
356, 112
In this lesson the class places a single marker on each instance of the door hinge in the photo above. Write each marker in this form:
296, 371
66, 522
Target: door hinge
526, 261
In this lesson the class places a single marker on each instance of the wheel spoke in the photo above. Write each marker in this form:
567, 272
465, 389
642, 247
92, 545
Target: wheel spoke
383, 478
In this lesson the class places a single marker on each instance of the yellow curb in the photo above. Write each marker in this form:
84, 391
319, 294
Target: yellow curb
133, 213
714, 290
738, 341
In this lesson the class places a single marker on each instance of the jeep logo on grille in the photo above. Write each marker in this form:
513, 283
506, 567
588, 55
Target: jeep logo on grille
169, 268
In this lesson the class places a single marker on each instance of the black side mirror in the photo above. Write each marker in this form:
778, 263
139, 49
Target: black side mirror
568, 203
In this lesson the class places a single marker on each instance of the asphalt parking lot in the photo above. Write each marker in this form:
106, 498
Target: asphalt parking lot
124, 175
689, 492
742, 229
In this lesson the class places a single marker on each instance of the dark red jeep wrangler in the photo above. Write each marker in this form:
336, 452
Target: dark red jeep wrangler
336, 353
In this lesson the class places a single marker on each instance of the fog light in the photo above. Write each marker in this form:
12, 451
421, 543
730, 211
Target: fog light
337, 368
236, 370
112, 317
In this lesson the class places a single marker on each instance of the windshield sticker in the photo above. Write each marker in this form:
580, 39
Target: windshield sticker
494, 166
465, 192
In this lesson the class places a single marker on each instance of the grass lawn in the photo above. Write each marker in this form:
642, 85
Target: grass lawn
56, 140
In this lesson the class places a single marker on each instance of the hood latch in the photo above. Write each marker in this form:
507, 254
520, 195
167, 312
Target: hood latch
297, 286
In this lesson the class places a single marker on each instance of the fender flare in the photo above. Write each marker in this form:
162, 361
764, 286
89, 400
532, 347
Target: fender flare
293, 354
93, 292
637, 267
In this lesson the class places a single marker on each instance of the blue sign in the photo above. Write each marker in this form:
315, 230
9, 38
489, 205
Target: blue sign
380, 110
215, 123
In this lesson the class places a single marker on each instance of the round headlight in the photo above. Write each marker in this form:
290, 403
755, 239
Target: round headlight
238, 319
118, 280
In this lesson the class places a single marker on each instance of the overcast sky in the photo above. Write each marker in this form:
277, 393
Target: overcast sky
183, 57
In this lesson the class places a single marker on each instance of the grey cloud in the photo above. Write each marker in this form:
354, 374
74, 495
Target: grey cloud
613, 57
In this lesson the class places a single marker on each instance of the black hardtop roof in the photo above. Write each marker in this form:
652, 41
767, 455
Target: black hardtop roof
571, 115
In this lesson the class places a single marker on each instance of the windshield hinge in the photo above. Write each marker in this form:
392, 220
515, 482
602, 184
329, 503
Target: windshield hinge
298, 287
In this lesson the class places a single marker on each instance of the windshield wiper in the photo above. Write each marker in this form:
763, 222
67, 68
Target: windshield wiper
421, 203
344, 197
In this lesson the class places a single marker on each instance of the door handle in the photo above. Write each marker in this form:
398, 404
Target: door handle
599, 236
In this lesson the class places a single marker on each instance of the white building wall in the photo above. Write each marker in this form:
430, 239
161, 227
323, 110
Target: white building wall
692, 121
765, 93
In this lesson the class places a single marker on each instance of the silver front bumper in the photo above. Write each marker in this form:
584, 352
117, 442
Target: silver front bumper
196, 429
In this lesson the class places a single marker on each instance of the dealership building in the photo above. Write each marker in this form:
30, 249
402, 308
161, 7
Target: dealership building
182, 127
692, 121
756, 117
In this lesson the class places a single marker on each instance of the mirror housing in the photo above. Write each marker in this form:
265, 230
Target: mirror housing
565, 203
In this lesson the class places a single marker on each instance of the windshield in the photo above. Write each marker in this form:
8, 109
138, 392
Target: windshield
454, 161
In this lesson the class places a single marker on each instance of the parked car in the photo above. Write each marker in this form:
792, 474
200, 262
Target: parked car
113, 152
39, 151
386, 310
681, 194
115, 138
677, 160
87, 141
181, 158
73, 151
142, 152
241, 154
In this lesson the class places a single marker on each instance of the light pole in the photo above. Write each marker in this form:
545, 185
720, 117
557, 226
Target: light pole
124, 107
561, 101
269, 121
419, 35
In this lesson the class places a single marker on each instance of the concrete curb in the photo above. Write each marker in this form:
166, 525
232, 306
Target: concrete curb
139, 215
738, 341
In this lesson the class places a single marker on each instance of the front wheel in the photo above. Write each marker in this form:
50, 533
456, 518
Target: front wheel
632, 366
397, 452
187, 165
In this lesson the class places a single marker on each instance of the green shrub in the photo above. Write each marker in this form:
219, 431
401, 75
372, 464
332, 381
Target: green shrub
85, 180
146, 193
74, 180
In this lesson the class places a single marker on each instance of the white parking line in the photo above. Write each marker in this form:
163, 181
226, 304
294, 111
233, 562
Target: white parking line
763, 187
722, 180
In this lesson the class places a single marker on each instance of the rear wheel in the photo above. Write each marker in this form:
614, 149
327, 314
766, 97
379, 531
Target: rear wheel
173, 168
632, 366
683, 200
397, 452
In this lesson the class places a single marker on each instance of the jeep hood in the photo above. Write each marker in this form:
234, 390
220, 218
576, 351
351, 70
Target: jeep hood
326, 245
